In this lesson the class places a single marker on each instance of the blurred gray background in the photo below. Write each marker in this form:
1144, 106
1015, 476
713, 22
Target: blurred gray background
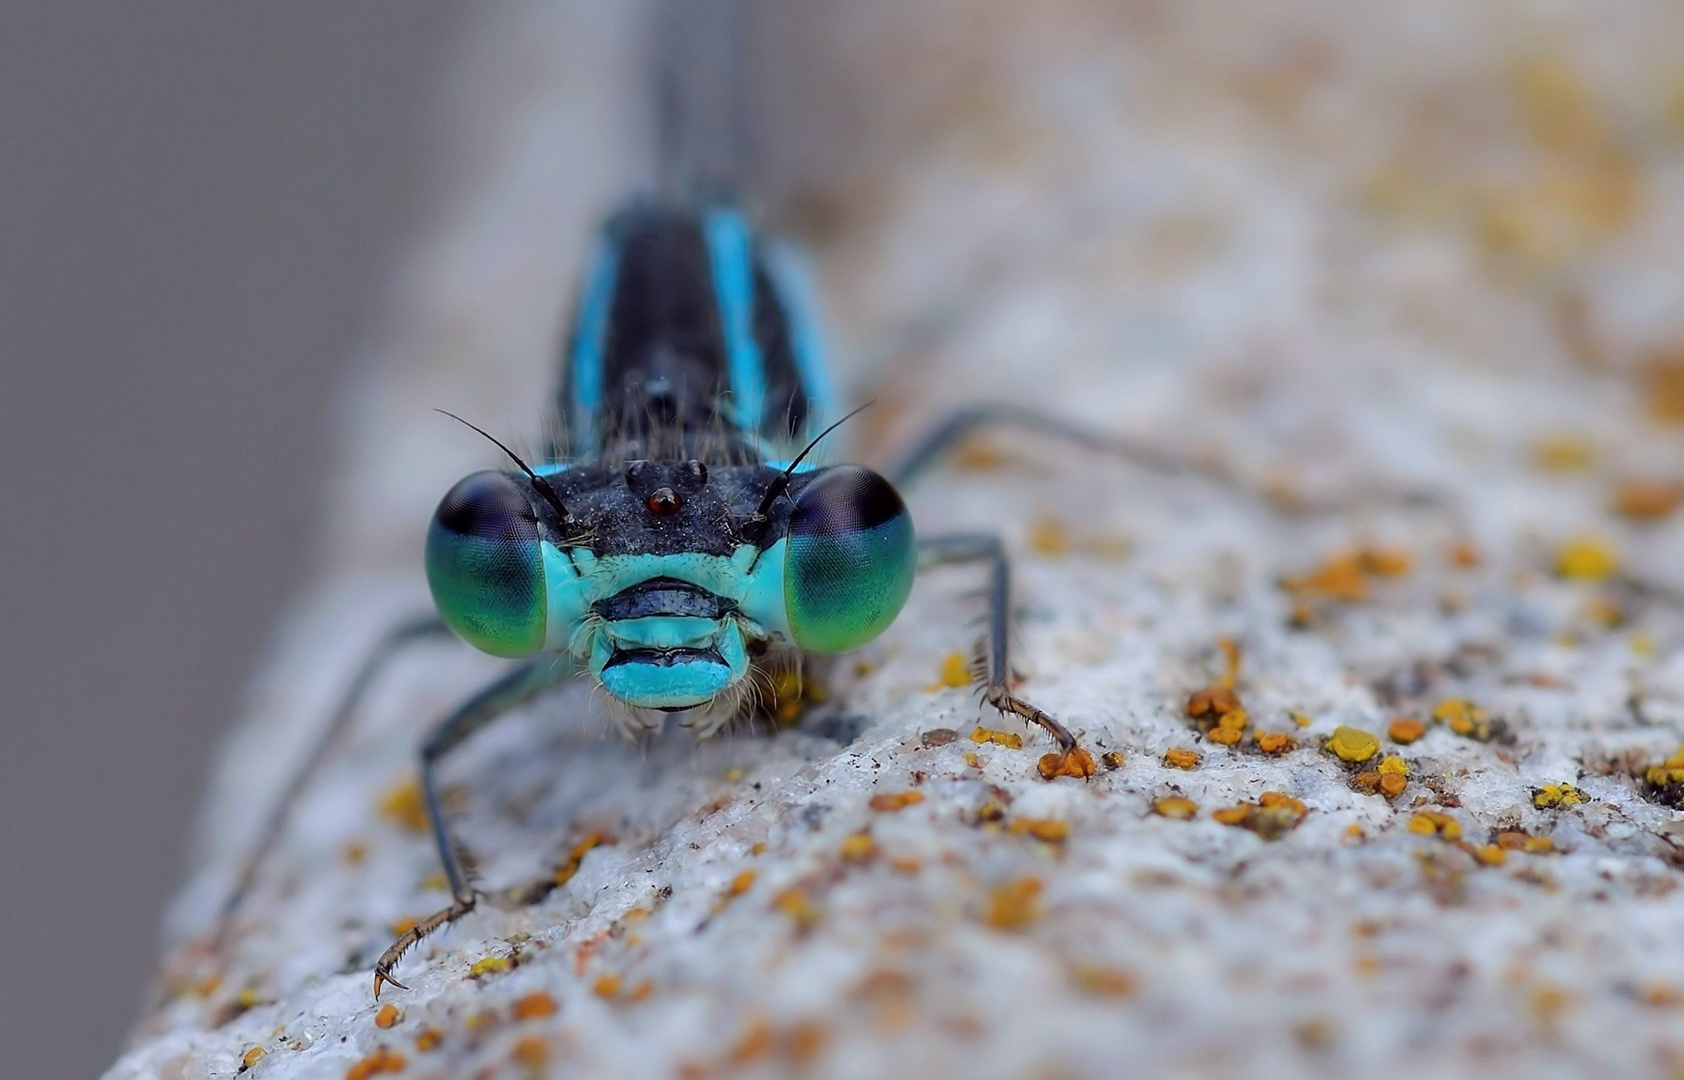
196, 204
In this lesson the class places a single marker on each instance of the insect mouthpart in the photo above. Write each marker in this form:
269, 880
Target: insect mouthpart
667, 644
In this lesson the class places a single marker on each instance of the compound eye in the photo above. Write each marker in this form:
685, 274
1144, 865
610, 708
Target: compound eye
486, 566
850, 559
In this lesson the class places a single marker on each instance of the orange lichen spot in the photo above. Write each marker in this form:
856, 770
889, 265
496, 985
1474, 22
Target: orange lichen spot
387, 1016
1490, 854
1049, 537
1434, 823
742, 883
1339, 577
1553, 795
1008, 739
1563, 452
1587, 558
1047, 830
804, 1042
1176, 808
1465, 719
534, 1006
1367, 782
207, 985
575, 855
1111, 759
401, 805
1663, 385
251, 1057
1539, 845
383, 1060
756, 1042
1181, 758
858, 847
1405, 731
735, 774
1392, 785
758, 849
1642, 500
1076, 762
972, 759
354, 852
1101, 981
955, 673
978, 455
1015, 905
403, 926
889, 802
1300, 717
532, 1052
1233, 720
1275, 742
1464, 554
905, 864
641, 992
1386, 562
490, 965
1212, 701
429, 1039
1225, 736
1274, 814
1352, 745
606, 987
799, 907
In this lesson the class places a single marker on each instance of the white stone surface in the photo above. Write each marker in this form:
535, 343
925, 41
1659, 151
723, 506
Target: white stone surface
1340, 247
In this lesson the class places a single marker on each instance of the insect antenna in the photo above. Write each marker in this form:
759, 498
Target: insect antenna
539, 484
777, 486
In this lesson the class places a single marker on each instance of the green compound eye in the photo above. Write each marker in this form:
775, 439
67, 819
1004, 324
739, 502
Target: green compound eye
849, 562
486, 567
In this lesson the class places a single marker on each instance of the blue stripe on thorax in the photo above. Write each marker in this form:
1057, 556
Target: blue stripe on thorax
731, 257
792, 276
590, 346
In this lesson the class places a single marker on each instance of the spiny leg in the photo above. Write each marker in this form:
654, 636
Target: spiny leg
395, 641
1071, 759
500, 698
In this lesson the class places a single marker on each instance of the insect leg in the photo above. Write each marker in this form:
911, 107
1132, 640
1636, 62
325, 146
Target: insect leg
395, 641
950, 432
503, 696
986, 547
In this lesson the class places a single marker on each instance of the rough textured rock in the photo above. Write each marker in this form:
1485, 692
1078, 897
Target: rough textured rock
1342, 252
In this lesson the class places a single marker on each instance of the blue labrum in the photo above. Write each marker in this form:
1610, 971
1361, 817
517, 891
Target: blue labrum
666, 545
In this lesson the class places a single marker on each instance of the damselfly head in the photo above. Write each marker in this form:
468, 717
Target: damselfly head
665, 579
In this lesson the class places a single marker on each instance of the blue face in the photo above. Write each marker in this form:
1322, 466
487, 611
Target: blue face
673, 626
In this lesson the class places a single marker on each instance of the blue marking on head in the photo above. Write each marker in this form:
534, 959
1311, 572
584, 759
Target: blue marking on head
792, 275
590, 343
730, 255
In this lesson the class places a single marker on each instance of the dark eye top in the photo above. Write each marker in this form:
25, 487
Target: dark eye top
485, 565
488, 506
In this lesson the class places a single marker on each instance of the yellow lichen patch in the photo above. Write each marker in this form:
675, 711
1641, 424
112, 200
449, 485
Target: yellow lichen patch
1668, 772
1101, 981
735, 774
790, 694
1015, 905
1225, 736
1231, 815
1212, 701
387, 1016
1405, 730
1049, 537
382, 1060
1465, 719
490, 965
1434, 823
799, 907
533, 1053
1300, 717
429, 1039
1275, 742
1663, 385
972, 759
1340, 577
1646, 500
1048, 830
575, 855
251, 1057
889, 802
954, 674
1386, 562
742, 883
1075, 764
1393, 766
858, 848
1553, 795
756, 1042
1490, 854
401, 805
402, 926
1587, 558
1008, 739
1563, 452
533, 1006
1274, 814
606, 987
1181, 758
1352, 745
1175, 807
